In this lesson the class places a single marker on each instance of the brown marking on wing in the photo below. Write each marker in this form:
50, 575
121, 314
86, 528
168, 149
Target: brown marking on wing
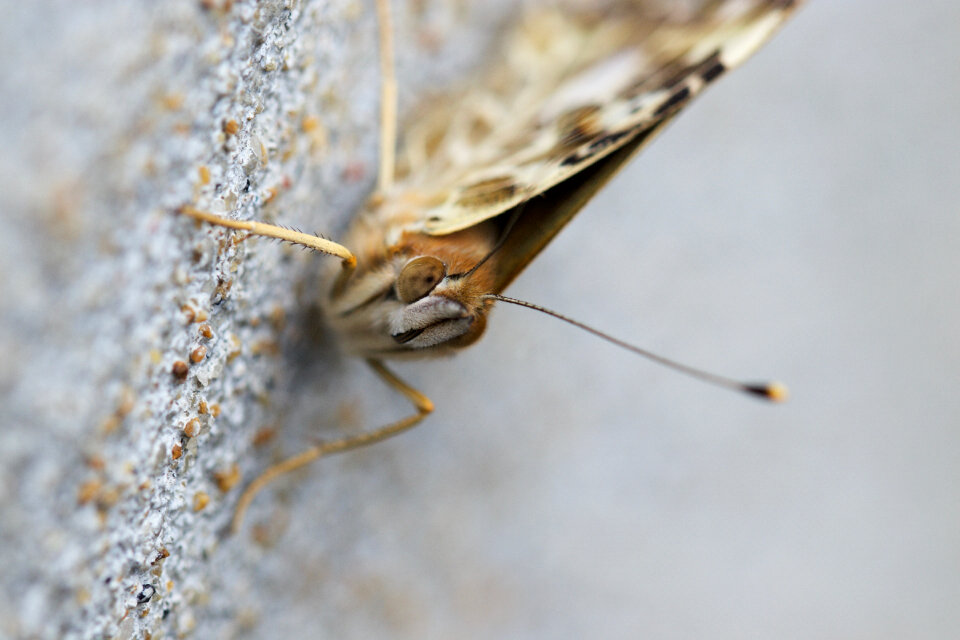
577, 126
532, 130
488, 193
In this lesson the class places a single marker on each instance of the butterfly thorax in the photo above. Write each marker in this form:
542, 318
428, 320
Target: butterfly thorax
412, 294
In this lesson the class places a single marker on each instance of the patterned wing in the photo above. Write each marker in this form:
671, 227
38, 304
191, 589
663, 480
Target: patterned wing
568, 92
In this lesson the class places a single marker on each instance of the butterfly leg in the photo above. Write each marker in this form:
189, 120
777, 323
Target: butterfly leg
421, 403
388, 99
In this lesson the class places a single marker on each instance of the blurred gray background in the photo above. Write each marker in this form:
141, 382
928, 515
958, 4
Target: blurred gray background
799, 222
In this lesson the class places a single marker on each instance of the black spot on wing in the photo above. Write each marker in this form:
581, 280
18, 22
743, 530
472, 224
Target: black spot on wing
673, 77
674, 102
597, 147
574, 158
600, 144
594, 148
712, 69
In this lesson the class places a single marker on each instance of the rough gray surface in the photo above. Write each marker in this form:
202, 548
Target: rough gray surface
117, 113
800, 220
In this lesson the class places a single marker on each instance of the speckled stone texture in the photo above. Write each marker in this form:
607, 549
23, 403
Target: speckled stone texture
141, 352
799, 221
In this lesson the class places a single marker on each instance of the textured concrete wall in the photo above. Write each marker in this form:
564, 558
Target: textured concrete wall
800, 220
118, 472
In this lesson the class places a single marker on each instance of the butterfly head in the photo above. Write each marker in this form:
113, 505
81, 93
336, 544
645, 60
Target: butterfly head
427, 299
440, 310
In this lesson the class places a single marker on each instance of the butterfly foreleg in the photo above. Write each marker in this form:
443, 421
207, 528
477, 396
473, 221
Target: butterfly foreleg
420, 402
273, 231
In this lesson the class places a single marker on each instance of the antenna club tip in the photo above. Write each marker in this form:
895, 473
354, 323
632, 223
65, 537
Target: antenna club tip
778, 392
772, 391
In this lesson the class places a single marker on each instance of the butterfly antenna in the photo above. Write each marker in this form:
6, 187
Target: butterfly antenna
773, 391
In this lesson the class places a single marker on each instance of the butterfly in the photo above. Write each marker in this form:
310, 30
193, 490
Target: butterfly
487, 176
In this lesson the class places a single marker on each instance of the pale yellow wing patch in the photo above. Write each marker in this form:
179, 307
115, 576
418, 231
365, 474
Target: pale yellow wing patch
569, 90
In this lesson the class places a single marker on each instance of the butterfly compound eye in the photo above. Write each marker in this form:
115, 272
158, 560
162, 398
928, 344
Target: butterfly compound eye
419, 277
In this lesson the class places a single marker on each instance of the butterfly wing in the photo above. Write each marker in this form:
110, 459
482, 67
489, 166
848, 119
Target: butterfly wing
569, 94
543, 217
